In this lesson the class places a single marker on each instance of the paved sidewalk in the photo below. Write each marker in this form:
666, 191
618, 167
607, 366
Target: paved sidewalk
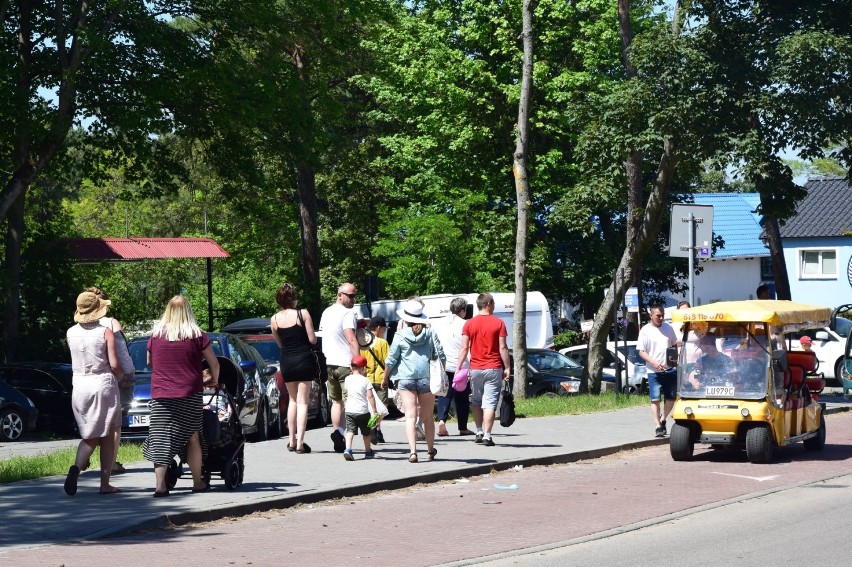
39, 512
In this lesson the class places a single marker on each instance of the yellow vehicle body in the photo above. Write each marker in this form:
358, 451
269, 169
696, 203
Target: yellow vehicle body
751, 399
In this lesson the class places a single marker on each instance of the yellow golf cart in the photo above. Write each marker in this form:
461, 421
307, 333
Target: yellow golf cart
739, 386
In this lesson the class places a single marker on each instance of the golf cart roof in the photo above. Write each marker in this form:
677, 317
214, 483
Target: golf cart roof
770, 311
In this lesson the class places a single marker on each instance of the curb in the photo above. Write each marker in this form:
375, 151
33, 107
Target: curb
363, 489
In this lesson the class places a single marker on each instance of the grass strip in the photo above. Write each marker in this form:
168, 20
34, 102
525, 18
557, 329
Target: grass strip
21, 468
544, 406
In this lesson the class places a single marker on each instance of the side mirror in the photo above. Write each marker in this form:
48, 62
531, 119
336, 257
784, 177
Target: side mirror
822, 336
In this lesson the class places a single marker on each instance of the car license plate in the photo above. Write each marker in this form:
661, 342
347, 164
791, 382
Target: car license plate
139, 420
723, 391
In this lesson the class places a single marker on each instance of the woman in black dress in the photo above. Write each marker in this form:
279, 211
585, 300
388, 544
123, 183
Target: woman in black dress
293, 330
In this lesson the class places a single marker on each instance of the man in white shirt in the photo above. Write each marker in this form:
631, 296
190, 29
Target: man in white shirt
337, 327
654, 340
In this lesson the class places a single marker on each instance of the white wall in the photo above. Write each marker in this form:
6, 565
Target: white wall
725, 280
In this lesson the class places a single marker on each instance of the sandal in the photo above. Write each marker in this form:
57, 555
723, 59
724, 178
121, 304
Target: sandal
161, 494
305, 448
412, 458
118, 468
290, 448
431, 454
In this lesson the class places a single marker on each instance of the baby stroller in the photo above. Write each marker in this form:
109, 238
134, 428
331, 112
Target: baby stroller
224, 437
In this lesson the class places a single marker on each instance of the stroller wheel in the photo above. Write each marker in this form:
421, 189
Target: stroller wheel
173, 473
231, 474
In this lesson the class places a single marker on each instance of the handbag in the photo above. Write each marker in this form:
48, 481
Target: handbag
507, 406
439, 382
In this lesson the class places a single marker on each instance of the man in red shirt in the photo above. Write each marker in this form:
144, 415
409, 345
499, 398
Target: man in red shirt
484, 337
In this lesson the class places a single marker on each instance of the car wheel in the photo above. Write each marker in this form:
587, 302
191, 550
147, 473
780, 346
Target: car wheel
818, 442
680, 443
323, 416
839, 372
276, 429
11, 424
759, 445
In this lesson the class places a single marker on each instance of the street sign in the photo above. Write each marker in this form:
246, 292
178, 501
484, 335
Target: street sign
680, 226
631, 300
586, 326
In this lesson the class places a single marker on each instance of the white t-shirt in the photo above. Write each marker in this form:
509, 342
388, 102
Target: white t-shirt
356, 394
335, 347
449, 331
655, 340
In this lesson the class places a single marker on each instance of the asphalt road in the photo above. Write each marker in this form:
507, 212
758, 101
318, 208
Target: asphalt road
510, 515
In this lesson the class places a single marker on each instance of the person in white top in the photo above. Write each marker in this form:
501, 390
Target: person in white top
654, 340
449, 333
339, 345
360, 406
128, 382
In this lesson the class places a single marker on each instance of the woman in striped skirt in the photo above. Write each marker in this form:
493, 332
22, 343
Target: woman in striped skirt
175, 352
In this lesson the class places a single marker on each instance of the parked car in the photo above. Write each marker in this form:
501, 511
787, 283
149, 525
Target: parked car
18, 414
550, 373
255, 414
257, 333
628, 358
48, 385
828, 343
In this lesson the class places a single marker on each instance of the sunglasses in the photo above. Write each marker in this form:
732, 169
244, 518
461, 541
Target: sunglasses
350, 295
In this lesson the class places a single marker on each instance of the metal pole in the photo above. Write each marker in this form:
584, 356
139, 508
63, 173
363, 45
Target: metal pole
691, 259
615, 310
624, 336
209, 294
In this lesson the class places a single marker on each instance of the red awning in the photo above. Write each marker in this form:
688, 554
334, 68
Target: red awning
144, 248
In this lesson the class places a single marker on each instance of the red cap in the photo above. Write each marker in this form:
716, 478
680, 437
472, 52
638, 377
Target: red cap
359, 361
804, 340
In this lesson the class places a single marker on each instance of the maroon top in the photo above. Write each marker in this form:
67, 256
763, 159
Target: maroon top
176, 366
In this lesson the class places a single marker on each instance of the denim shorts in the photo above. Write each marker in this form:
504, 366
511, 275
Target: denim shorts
416, 385
662, 382
485, 387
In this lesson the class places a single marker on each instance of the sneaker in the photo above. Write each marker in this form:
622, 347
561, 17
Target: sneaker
370, 455
660, 431
380, 438
488, 442
478, 438
338, 440
663, 425
347, 454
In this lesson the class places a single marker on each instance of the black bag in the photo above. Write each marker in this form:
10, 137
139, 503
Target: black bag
507, 406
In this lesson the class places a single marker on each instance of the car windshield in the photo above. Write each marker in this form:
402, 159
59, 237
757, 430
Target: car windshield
632, 354
549, 360
267, 348
729, 362
843, 326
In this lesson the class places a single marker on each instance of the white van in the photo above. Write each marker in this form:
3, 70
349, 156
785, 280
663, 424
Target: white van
539, 325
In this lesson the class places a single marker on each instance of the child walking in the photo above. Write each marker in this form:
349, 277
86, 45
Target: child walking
360, 405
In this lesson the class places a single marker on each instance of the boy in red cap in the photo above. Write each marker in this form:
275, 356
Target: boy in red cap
805, 342
360, 405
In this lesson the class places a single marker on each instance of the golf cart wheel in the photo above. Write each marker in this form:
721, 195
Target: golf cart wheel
173, 473
818, 442
680, 443
759, 445
231, 474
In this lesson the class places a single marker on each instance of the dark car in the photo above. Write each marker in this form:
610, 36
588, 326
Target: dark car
257, 333
551, 374
255, 412
17, 413
48, 385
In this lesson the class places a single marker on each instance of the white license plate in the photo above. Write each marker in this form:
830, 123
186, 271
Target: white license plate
720, 391
139, 420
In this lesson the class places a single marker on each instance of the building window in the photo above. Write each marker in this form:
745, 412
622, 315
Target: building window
767, 274
818, 264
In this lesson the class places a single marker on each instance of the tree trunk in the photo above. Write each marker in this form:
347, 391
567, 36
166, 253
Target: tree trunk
631, 260
776, 252
12, 308
308, 235
522, 189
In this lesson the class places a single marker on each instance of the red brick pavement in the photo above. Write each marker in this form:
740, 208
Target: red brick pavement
455, 521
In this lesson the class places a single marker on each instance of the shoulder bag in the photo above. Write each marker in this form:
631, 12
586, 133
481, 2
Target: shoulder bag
507, 406
439, 383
